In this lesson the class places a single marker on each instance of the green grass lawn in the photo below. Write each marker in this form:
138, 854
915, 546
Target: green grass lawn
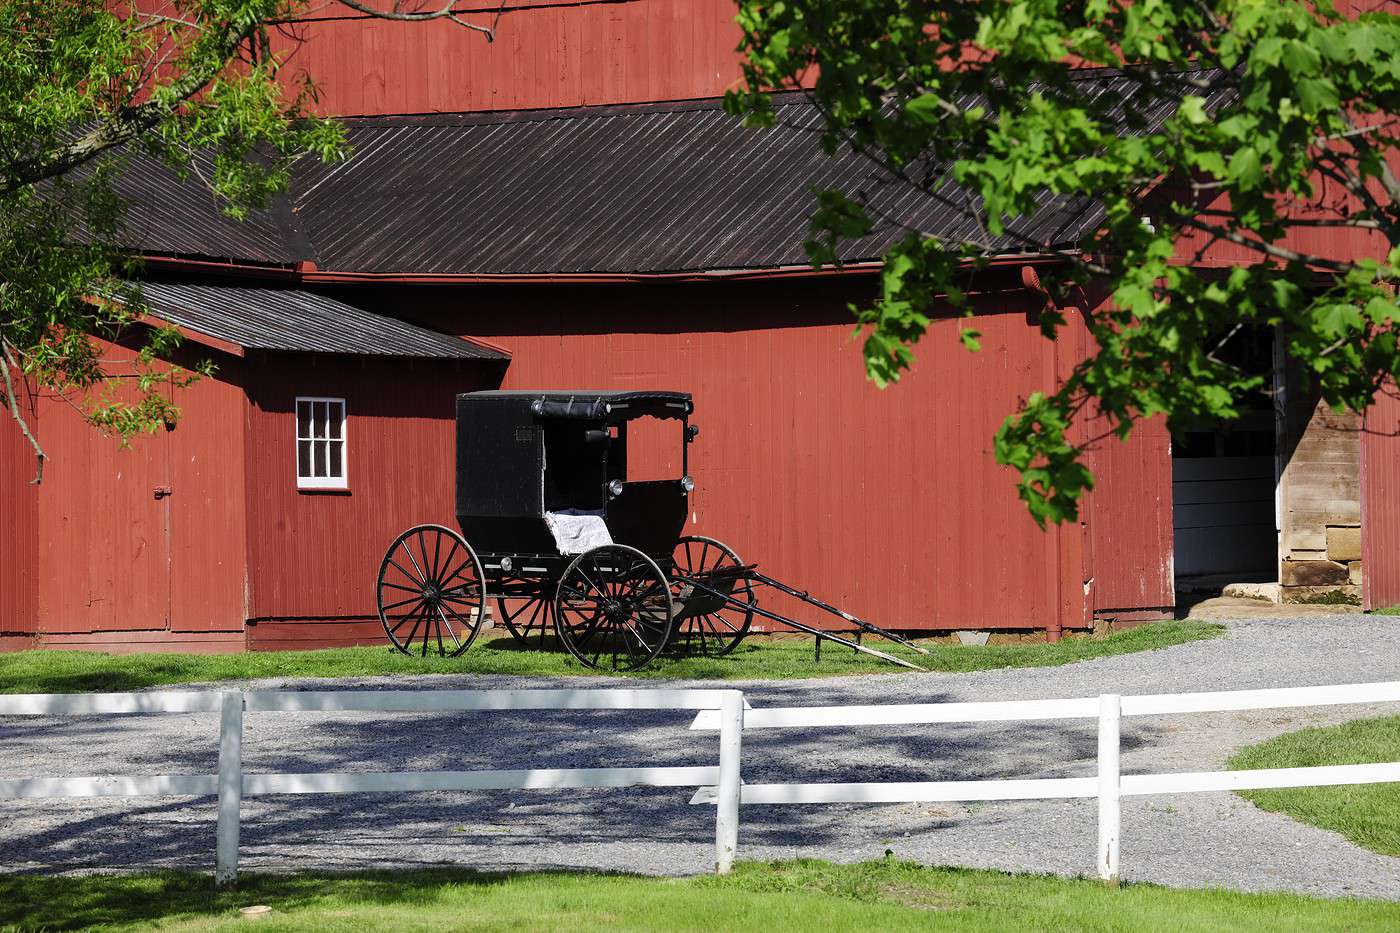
73, 671
1367, 814
805, 896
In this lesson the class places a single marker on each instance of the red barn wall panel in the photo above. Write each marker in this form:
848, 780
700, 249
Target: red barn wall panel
103, 538
546, 54
1380, 501
888, 503
314, 556
1131, 520
19, 523
208, 532
115, 558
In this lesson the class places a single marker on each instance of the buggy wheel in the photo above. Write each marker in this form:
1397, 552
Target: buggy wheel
613, 608
720, 631
529, 619
431, 588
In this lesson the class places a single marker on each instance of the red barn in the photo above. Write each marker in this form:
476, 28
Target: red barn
569, 207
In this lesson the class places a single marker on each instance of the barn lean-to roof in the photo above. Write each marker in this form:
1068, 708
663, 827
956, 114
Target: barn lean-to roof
292, 321
624, 190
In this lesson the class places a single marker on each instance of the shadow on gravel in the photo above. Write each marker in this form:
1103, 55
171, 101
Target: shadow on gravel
504, 827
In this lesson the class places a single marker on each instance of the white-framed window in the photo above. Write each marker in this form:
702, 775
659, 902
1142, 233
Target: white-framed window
321, 443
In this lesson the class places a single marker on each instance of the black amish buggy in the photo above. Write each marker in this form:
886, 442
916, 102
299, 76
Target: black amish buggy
556, 532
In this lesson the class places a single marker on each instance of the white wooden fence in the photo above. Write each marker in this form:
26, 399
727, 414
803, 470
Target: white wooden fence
1108, 786
722, 710
231, 784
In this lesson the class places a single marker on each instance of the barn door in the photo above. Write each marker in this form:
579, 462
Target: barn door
104, 528
208, 547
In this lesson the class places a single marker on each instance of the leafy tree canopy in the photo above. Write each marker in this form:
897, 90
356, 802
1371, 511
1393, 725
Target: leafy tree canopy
85, 85
1248, 124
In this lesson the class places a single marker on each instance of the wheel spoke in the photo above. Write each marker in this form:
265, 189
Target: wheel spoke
457, 597
457, 571
545, 620
402, 602
450, 632
414, 578
589, 580
413, 632
406, 617
414, 561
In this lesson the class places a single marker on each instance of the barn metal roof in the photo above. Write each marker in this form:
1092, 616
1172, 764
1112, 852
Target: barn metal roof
638, 189
296, 321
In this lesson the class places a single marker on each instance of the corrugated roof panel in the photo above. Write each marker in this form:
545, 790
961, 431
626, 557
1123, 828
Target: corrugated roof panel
297, 321
636, 189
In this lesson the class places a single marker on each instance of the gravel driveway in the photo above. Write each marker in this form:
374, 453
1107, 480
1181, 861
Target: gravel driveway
1194, 840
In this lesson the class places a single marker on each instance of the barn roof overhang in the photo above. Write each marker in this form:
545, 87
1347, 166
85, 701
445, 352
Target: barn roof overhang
236, 318
678, 191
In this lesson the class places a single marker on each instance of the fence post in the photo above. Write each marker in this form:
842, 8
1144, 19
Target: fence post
1110, 709
731, 737
230, 789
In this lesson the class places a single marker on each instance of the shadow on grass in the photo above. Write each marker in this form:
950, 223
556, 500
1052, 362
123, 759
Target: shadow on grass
47, 902
755, 659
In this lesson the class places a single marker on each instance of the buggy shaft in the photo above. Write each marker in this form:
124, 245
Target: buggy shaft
811, 600
733, 603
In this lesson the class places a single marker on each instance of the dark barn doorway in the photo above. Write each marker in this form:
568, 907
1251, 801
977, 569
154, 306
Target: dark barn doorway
1224, 477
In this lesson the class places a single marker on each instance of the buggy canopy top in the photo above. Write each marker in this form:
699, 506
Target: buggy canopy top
596, 406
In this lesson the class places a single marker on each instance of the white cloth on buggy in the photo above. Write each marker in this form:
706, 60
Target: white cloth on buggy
577, 530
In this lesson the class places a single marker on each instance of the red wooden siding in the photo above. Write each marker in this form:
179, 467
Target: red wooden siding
887, 503
546, 54
314, 556
113, 557
1380, 493
103, 542
19, 527
208, 529
1130, 516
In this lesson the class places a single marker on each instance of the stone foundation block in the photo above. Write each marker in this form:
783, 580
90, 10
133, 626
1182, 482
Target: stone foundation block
1354, 571
1343, 542
1313, 573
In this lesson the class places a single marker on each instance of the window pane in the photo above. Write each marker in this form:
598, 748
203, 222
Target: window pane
303, 419
319, 449
303, 458
320, 426
337, 419
335, 450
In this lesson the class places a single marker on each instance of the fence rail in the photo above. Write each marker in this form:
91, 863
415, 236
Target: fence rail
724, 711
1109, 785
231, 784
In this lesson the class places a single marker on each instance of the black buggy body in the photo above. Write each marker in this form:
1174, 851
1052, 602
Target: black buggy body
525, 456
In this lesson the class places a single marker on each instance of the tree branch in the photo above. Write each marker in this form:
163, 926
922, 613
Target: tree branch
445, 12
6, 361
123, 126
1268, 249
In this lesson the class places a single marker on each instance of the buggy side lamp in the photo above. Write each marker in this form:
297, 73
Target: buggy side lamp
615, 488
692, 431
687, 484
